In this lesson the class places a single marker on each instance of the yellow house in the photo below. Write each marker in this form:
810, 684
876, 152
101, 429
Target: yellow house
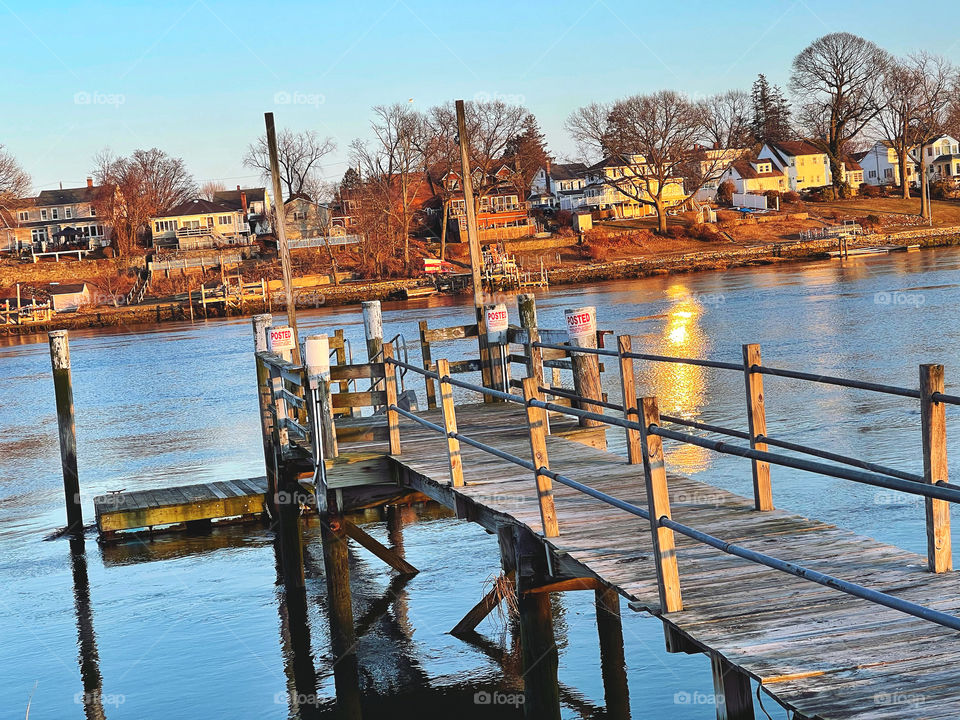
199, 224
603, 178
804, 164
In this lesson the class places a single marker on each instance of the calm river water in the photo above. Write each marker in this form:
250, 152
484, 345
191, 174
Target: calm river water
196, 627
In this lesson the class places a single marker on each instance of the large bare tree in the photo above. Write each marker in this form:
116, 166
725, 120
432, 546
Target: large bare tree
392, 166
300, 156
211, 188
937, 88
655, 136
14, 180
839, 76
135, 188
728, 122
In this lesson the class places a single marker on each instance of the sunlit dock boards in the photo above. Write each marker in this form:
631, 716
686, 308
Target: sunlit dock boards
817, 651
180, 505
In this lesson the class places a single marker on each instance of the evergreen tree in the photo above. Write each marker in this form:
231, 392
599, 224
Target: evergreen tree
771, 112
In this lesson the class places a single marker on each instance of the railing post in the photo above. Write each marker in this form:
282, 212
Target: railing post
450, 424
63, 390
537, 427
934, 428
390, 383
628, 386
757, 425
658, 503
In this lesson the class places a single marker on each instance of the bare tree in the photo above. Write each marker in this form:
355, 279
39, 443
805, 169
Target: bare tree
840, 77
441, 153
211, 188
135, 188
938, 83
14, 181
728, 119
655, 137
393, 166
299, 154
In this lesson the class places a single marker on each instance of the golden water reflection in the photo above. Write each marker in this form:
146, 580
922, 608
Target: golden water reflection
680, 389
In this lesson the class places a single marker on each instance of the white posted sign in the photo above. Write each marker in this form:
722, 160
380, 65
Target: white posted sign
281, 339
582, 325
497, 323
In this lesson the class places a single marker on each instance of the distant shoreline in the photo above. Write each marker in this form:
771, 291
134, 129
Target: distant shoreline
352, 293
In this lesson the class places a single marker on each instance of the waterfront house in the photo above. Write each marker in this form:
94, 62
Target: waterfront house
55, 215
253, 203
8, 231
199, 223
755, 176
501, 214
943, 159
304, 218
559, 185
603, 180
852, 172
880, 164
804, 164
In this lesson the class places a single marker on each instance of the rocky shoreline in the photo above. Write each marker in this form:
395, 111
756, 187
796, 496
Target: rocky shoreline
354, 292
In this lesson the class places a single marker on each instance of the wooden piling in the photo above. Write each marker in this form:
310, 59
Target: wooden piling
336, 569
628, 387
450, 424
291, 542
757, 425
731, 689
537, 428
261, 329
66, 423
658, 504
586, 376
527, 307
933, 425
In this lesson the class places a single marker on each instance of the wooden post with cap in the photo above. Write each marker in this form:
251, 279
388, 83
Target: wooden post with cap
537, 428
933, 424
66, 424
757, 425
450, 423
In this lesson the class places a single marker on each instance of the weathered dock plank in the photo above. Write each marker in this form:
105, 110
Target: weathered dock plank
817, 651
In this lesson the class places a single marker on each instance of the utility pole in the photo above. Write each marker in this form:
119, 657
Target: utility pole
282, 248
473, 238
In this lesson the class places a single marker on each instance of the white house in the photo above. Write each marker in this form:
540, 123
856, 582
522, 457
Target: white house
880, 165
805, 165
943, 158
559, 185
755, 176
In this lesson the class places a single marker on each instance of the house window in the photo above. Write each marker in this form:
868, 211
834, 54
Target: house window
299, 215
23, 215
93, 211
38, 235
224, 220
43, 214
929, 152
68, 213
55, 213
888, 173
872, 173
165, 225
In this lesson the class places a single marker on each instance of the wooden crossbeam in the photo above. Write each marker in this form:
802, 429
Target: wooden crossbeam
370, 543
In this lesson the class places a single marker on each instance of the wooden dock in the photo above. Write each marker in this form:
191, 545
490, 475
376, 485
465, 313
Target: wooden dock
816, 651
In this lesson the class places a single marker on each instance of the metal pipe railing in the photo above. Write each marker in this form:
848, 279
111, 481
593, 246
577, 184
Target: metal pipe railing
842, 382
875, 596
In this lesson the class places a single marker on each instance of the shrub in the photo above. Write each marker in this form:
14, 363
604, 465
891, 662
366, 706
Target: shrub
108, 252
871, 191
725, 193
676, 231
791, 197
942, 189
563, 218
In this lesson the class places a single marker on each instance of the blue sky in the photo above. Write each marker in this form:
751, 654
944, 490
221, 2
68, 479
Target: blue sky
194, 77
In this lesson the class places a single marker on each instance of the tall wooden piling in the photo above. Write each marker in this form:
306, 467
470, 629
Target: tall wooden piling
450, 424
261, 329
527, 309
586, 366
628, 389
731, 689
336, 567
537, 428
63, 389
373, 329
757, 425
933, 424
291, 537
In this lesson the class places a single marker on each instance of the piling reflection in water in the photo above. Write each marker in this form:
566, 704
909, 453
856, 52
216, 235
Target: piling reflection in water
89, 657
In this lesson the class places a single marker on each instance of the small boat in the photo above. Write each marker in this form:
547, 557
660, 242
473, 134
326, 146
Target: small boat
417, 292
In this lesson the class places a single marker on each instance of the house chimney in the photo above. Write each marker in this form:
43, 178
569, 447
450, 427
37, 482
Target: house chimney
243, 201
90, 182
